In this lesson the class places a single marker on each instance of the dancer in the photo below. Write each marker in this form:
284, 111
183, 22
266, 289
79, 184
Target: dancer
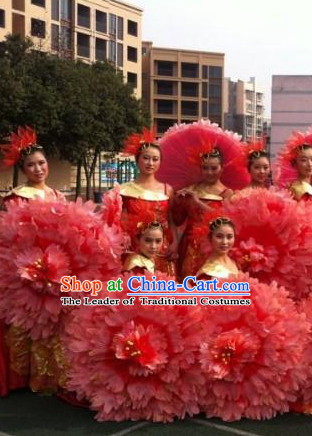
258, 164
294, 165
146, 192
206, 164
222, 238
15, 346
149, 238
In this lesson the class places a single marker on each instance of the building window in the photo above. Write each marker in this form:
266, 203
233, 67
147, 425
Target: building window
132, 54
19, 5
189, 108
132, 79
189, 89
205, 72
2, 18
120, 28
37, 28
165, 107
112, 24
215, 91
165, 68
112, 55
100, 49
18, 25
83, 16
165, 88
189, 70
55, 13
144, 51
132, 28
38, 3
66, 10
120, 55
101, 21
83, 45
215, 72
66, 38
55, 37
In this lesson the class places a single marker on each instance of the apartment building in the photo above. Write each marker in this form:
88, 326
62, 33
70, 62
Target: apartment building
182, 86
90, 30
244, 108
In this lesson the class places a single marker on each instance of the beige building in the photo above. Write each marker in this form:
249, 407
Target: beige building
90, 30
181, 85
291, 108
244, 108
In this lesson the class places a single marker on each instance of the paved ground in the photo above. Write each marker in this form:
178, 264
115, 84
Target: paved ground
27, 414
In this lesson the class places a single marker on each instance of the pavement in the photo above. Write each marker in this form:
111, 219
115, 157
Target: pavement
26, 414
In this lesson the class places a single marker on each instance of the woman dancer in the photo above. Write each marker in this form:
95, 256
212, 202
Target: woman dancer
205, 164
16, 349
149, 242
222, 238
146, 192
294, 166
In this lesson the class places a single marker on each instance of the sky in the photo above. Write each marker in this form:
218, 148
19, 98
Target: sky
259, 38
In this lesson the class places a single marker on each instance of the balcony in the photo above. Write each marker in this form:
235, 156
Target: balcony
163, 87
166, 68
190, 70
189, 89
189, 108
166, 107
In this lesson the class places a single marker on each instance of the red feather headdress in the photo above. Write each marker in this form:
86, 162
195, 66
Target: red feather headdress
284, 172
185, 147
24, 139
137, 141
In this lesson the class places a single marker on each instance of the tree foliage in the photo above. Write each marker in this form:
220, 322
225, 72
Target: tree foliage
78, 109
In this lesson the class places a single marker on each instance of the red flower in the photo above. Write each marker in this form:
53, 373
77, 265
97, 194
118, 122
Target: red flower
39, 243
252, 355
142, 360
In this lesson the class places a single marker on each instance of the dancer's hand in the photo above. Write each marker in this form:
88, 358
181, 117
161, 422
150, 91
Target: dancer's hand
172, 251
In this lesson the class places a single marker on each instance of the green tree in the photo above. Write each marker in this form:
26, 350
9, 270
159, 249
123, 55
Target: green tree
78, 109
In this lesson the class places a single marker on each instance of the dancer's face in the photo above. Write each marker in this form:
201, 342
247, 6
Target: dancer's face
150, 242
260, 170
211, 170
149, 160
222, 239
35, 168
303, 163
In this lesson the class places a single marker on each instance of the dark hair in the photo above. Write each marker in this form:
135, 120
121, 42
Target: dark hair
28, 152
215, 153
302, 147
145, 146
153, 225
254, 155
218, 222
